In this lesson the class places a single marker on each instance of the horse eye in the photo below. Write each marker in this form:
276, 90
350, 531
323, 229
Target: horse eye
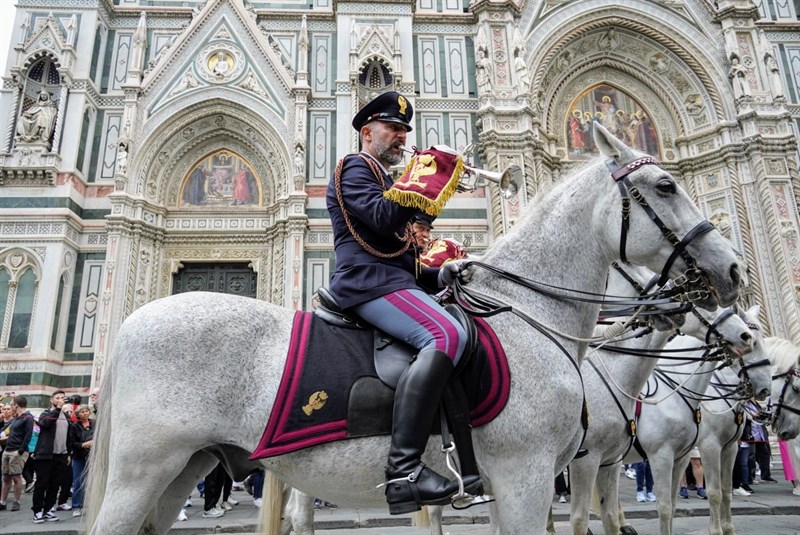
666, 186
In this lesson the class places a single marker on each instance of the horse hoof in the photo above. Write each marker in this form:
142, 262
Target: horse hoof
628, 530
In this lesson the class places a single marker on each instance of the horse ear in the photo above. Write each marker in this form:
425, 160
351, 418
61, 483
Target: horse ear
754, 311
609, 145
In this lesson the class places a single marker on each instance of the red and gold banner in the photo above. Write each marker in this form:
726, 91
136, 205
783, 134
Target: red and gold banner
429, 180
442, 251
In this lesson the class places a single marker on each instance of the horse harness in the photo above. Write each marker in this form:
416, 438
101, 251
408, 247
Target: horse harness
620, 176
787, 377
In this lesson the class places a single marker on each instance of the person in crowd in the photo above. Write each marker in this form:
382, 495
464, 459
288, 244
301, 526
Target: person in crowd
697, 472
562, 488
378, 277
227, 485
790, 455
65, 487
52, 459
213, 490
741, 469
257, 482
760, 451
644, 482
80, 440
20, 431
28, 473
6, 415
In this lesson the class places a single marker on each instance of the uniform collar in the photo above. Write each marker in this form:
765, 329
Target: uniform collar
374, 159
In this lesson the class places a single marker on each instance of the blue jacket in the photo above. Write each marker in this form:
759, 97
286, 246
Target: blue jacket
359, 276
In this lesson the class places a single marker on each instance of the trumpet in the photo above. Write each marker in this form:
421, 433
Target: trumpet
507, 180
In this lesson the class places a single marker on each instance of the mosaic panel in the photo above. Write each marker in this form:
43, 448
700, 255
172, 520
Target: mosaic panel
221, 179
122, 50
321, 64
456, 67
320, 143
428, 65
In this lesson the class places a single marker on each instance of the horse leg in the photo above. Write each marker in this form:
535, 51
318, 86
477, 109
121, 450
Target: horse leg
582, 475
665, 483
523, 496
435, 516
711, 475
138, 490
607, 486
163, 515
551, 526
727, 460
300, 510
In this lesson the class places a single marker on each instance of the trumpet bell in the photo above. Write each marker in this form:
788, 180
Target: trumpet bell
509, 181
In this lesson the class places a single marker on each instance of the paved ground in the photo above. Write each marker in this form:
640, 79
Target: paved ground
771, 510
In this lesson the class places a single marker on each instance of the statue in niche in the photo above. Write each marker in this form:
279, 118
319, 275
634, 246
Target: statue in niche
738, 77
299, 160
775, 84
36, 123
483, 73
123, 148
523, 76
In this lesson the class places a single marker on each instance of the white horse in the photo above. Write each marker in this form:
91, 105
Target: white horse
721, 428
667, 428
613, 380
231, 351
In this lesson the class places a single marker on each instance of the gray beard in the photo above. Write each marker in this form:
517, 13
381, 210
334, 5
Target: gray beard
385, 154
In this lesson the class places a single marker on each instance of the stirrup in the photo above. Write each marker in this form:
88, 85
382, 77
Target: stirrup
461, 499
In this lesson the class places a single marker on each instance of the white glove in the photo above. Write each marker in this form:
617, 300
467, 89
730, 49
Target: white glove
449, 271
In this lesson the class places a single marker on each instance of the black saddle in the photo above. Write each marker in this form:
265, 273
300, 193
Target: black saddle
370, 398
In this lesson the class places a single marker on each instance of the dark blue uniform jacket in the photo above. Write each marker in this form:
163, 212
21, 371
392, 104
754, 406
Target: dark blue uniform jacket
359, 276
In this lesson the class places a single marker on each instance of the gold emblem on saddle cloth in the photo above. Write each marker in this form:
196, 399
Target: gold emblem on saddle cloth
698, 416
739, 418
315, 402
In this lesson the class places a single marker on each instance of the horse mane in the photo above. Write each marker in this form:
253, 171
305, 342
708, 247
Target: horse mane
783, 353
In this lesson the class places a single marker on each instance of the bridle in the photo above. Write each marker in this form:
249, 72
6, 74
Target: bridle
787, 377
693, 274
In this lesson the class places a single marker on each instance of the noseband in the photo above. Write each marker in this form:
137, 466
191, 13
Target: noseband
620, 176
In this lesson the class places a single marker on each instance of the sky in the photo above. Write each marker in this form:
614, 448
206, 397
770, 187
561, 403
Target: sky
7, 14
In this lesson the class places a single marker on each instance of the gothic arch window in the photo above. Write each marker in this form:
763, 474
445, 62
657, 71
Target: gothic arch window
57, 333
39, 101
223, 178
375, 78
19, 286
619, 112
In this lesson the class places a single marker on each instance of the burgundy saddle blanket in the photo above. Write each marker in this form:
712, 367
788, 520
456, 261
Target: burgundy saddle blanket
323, 364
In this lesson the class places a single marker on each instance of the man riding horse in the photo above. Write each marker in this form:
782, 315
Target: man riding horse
378, 276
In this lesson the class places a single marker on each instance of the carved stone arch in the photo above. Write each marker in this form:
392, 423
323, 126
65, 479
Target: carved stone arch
564, 27
660, 106
17, 259
197, 130
36, 55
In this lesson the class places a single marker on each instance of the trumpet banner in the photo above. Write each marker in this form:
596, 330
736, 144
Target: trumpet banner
429, 180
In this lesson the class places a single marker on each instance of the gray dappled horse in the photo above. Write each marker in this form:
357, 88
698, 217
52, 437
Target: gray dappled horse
214, 362
721, 427
667, 427
613, 377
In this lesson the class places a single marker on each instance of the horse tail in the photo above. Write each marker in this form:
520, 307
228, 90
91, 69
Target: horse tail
99, 454
272, 501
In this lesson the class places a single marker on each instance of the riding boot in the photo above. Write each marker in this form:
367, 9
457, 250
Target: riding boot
409, 483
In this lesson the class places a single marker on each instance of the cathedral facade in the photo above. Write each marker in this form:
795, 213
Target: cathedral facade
153, 147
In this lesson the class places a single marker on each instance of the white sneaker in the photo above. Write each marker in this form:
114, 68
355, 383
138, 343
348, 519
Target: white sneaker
630, 473
562, 499
650, 497
188, 502
182, 516
225, 506
213, 513
64, 507
739, 491
76, 512
257, 501
232, 501
640, 496
796, 491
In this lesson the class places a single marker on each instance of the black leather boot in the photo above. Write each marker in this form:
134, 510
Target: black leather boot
409, 483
